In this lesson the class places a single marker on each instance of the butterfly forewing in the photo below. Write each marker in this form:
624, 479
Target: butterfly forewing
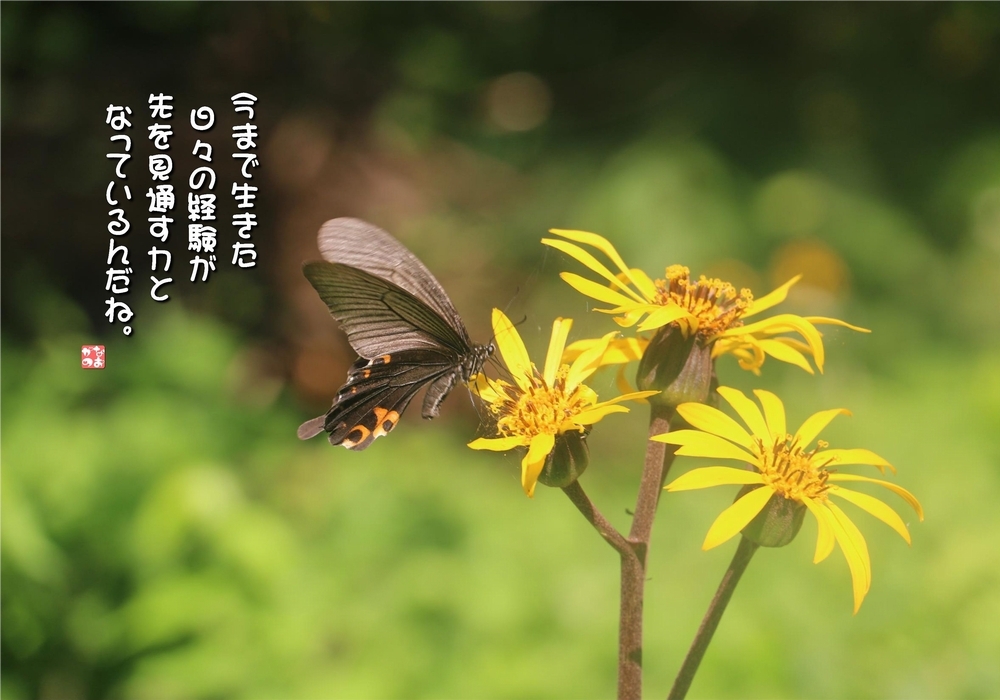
378, 316
365, 246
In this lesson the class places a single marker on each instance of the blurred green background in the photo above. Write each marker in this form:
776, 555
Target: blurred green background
165, 535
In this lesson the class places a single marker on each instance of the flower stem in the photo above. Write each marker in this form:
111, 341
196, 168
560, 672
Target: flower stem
711, 620
659, 457
604, 528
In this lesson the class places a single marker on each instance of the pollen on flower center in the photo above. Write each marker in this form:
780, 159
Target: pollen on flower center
540, 408
790, 471
715, 303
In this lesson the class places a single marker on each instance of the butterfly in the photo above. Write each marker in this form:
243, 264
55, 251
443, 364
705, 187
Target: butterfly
400, 321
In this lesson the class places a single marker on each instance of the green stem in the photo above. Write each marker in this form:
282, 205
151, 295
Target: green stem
712, 617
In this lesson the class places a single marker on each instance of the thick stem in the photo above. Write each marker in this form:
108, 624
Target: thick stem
711, 620
594, 517
659, 457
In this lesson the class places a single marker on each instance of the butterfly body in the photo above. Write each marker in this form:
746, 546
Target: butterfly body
399, 320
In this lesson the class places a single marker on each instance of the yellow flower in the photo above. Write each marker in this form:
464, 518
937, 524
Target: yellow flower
538, 407
784, 466
710, 308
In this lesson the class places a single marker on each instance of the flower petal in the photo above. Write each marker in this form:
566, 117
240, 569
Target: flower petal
714, 421
736, 517
592, 415
874, 506
664, 315
782, 323
587, 363
824, 536
782, 352
501, 444
748, 411
534, 461
588, 260
483, 388
622, 383
898, 490
643, 284
594, 290
704, 477
856, 456
823, 320
557, 343
774, 413
512, 349
852, 544
695, 443
814, 424
772, 299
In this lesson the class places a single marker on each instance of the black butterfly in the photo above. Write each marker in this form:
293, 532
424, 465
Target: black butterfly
400, 321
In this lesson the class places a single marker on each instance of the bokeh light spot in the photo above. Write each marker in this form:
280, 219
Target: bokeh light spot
518, 102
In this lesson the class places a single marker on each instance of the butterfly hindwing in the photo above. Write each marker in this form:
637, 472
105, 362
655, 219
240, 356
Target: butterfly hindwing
376, 394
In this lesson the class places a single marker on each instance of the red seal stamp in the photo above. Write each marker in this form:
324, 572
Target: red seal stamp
92, 357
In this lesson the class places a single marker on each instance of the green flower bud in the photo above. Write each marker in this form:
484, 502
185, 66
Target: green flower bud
680, 368
567, 461
777, 524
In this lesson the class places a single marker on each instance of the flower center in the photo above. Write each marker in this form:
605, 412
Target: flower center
715, 304
539, 409
790, 471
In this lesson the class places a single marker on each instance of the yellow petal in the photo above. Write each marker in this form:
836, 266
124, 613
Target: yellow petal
705, 477
856, 456
874, 506
694, 443
592, 415
824, 536
714, 421
772, 299
594, 290
587, 363
630, 396
898, 490
643, 284
832, 458
624, 350
502, 444
774, 412
736, 517
582, 256
557, 342
782, 324
622, 383
664, 315
782, 352
747, 410
817, 320
512, 349
814, 424
852, 544
482, 388
534, 461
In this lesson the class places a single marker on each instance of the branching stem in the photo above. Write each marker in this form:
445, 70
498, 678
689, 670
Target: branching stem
711, 620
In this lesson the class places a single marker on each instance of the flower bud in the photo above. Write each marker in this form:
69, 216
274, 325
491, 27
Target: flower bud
680, 368
777, 524
567, 461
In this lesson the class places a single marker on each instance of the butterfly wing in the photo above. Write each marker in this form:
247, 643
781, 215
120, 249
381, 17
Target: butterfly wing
366, 247
375, 395
379, 317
